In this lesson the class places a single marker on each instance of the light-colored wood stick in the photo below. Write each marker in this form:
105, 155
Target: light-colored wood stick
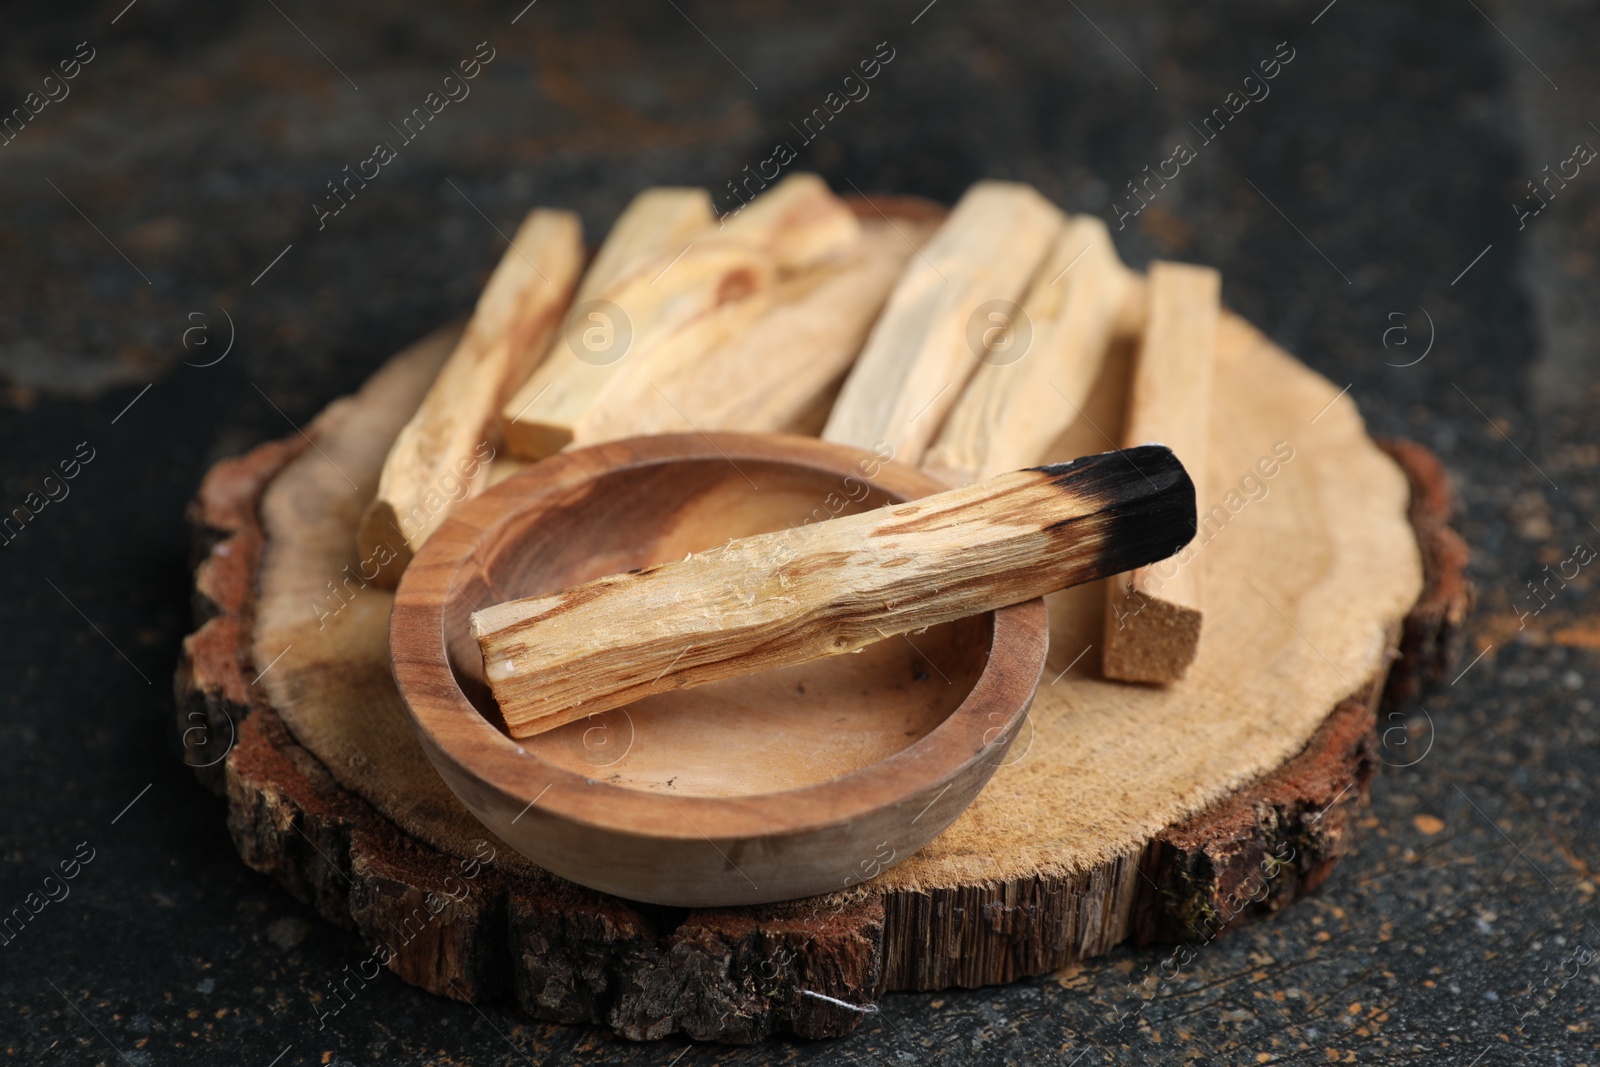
634, 317
657, 220
441, 456
1014, 408
772, 374
687, 298
921, 351
800, 594
799, 221
1154, 613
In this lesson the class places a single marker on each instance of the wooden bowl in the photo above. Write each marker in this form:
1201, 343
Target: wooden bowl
783, 784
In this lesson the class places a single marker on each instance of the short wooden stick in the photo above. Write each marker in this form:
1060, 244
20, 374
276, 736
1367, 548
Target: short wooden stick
1154, 613
942, 311
1017, 404
441, 457
769, 375
688, 297
796, 595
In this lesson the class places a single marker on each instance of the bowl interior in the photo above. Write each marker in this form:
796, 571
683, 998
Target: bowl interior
775, 730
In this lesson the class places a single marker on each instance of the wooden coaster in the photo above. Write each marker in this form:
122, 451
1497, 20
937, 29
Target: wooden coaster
1130, 813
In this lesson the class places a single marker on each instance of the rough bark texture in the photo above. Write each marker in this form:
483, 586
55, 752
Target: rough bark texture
1281, 838
460, 928
212, 693
1266, 846
1435, 630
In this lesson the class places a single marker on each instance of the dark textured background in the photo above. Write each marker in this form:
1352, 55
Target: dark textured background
197, 139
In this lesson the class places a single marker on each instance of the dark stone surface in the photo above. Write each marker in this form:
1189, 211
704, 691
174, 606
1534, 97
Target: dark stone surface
197, 140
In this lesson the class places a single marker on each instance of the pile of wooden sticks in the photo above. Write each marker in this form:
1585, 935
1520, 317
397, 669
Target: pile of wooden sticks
964, 343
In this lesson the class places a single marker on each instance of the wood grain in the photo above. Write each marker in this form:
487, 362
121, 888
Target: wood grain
689, 298
1017, 404
441, 456
826, 589
1154, 614
774, 373
659, 220
656, 227
799, 222
921, 350
691, 294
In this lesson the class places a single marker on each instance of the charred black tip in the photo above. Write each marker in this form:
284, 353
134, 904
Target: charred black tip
1143, 494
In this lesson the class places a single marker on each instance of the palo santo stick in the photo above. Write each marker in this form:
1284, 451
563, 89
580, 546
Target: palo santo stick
772, 374
674, 301
787, 597
633, 404
657, 220
1153, 614
439, 458
1018, 403
636, 314
799, 221
922, 349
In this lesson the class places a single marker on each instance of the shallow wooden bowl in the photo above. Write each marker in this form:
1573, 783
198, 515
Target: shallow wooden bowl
777, 785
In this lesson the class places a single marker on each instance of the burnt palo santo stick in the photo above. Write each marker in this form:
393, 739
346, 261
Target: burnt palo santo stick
795, 595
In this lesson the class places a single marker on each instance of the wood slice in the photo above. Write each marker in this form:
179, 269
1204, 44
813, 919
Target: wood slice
1130, 812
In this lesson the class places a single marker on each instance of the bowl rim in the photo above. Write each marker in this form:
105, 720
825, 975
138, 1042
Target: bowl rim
452, 730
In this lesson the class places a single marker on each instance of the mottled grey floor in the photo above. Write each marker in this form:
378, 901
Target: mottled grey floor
1371, 199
